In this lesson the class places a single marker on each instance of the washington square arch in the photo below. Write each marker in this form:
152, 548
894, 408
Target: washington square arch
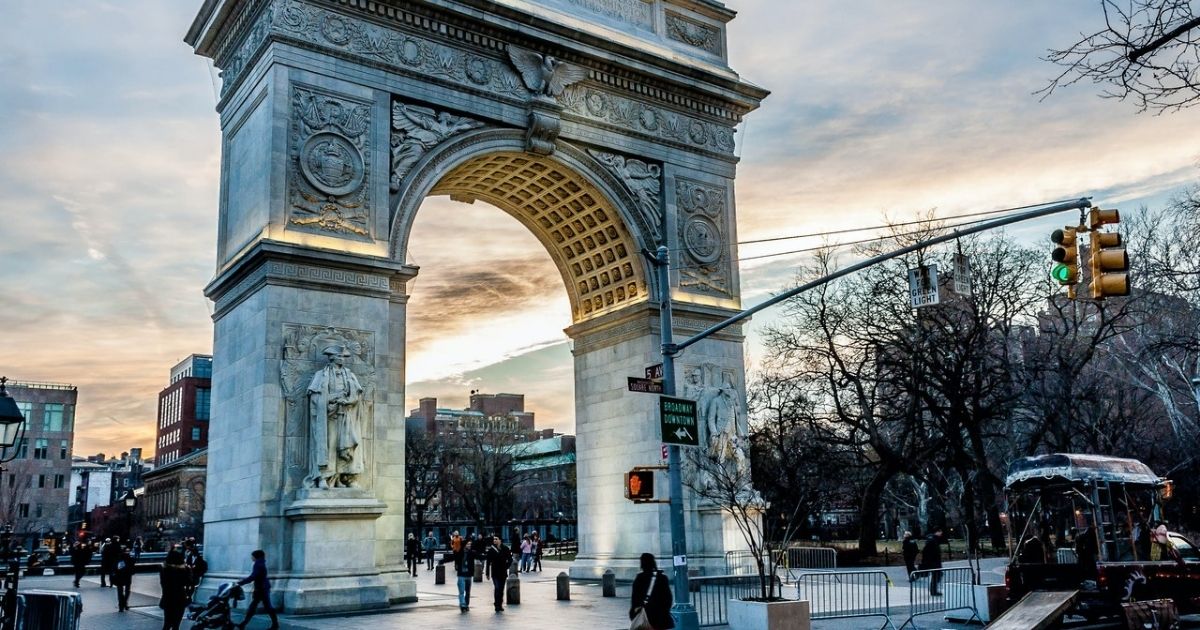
605, 127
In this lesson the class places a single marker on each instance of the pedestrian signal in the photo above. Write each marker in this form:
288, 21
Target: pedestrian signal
639, 485
1108, 261
1065, 256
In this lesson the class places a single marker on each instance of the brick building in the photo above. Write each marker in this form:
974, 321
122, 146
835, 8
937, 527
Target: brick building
183, 410
486, 412
34, 488
172, 507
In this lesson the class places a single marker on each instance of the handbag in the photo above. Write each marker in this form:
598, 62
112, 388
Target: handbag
640, 620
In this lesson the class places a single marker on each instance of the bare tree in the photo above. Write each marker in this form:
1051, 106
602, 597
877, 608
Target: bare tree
1148, 52
479, 468
422, 475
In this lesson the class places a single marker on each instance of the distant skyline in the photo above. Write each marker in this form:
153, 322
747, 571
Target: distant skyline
112, 159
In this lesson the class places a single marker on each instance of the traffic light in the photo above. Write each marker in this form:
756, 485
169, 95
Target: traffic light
1065, 256
639, 485
1108, 262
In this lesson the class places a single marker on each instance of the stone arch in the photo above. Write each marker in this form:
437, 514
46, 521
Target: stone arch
573, 206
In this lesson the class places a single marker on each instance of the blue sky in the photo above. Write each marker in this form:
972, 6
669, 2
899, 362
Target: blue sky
110, 167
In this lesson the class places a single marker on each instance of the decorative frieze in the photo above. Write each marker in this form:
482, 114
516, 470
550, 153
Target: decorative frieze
639, 117
692, 33
703, 217
329, 166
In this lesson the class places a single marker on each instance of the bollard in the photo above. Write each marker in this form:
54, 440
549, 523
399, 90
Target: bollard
439, 574
512, 569
608, 583
478, 572
513, 590
564, 587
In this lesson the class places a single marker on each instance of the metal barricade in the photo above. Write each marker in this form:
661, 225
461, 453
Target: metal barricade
711, 595
846, 594
48, 610
740, 562
955, 590
795, 559
1066, 556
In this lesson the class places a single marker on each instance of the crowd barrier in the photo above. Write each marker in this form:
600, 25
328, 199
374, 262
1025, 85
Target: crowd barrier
791, 560
956, 588
846, 594
710, 595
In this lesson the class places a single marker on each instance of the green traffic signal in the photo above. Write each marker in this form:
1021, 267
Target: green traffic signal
1061, 273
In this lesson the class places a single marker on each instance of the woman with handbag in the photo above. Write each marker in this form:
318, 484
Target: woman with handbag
650, 604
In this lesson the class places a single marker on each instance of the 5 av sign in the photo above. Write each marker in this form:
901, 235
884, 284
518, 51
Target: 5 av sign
677, 417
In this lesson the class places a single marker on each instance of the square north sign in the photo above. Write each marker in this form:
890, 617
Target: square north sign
677, 417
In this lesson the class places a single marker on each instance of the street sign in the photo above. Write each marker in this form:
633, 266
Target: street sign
644, 385
677, 417
923, 286
654, 372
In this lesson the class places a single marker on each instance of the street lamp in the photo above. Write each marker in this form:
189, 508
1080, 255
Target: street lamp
130, 502
420, 501
12, 427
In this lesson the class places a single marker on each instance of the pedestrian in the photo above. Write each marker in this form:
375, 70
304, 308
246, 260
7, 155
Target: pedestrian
177, 585
109, 552
122, 578
412, 553
456, 542
464, 569
429, 546
652, 596
262, 590
198, 569
537, 552
137, 549
909, 549
526, 553
81, 555
931, 558
499, 558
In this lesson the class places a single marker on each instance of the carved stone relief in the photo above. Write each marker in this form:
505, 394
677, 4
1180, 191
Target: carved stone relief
702, 221
329, 165
644, 182
639, 117
416, 130
692, 33
636, 12
301, 358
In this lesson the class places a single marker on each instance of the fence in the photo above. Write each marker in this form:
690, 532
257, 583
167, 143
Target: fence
846, 594
790, 560
1065, 556
711, 595
955, 588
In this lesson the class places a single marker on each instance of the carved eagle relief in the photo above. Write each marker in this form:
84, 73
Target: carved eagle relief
543, 74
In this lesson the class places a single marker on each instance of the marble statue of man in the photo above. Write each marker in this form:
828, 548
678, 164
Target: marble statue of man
725, 442
335, 424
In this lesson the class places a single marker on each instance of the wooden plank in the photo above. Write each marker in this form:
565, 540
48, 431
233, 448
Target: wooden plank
1036, 611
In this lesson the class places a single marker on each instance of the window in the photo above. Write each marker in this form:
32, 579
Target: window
23, 448
52, 417
41, 481
62, 449
60, 481
68, 418
23, 510
203, 403
195, 434
40, 446
26, 409
37, 511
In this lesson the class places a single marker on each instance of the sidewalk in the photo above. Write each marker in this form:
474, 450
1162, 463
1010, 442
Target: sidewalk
436, 608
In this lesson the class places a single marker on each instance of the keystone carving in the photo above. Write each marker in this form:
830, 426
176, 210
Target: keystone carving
416, 130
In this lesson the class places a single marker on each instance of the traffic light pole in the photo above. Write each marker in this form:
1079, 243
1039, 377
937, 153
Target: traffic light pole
683, 611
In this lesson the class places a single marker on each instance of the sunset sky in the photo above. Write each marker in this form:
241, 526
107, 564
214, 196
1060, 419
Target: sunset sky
111, 157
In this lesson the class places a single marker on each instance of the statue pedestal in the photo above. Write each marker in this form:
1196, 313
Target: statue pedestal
333, 552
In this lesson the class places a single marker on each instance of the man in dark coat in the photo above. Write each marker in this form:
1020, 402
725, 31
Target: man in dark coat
262, 590
909, 549
499, 557
412, 553
122, 578
658, 604
109, 552
464, 570
81, 555
931, 558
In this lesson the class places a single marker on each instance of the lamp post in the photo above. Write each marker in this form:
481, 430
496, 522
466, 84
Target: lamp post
130, 505
420, 501
12, 427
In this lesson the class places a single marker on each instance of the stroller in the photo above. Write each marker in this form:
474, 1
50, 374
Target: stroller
216, 613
